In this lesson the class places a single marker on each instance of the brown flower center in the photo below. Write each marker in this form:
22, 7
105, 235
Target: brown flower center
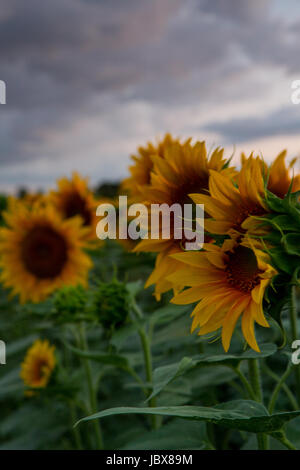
44, 252
246, 212
180, 195
76, 205
40, 369
242, 270
197, 184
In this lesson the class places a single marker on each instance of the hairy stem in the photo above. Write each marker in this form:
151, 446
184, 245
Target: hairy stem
75, 430
281, 437
286, 389
277, 389
254, 376
245, 382
92, 392
148, 368
147, 361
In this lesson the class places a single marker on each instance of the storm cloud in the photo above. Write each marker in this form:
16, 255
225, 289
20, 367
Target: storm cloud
89, 80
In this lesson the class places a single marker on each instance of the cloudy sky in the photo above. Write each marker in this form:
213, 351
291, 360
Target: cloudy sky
89, 80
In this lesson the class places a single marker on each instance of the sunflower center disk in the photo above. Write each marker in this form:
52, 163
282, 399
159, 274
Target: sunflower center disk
242, 270
76, 205
246, 212
180, 196
41, 370
44, 252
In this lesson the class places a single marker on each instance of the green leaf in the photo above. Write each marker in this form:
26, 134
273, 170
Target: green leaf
282, 261
162, 376
274, 203
243, 415
167, 314
285, 222
291, 243
121, 335
134, 287
288, 206
277, 296
192, 436
111, 359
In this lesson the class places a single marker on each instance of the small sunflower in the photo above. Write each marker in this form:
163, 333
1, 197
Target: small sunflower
38, 364
30, 200
230, 282
40, 252
183, 170
74, 198
231, 206
278, 175
140, 171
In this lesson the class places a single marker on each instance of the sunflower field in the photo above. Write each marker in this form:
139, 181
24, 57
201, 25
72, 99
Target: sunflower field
141, 344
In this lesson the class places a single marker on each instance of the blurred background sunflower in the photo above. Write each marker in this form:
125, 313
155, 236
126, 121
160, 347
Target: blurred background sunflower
41, 252
38, 364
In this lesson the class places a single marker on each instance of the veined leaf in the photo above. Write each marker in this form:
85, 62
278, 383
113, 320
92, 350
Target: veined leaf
162, 376
285, 222
244, 415
283, 262
291, 243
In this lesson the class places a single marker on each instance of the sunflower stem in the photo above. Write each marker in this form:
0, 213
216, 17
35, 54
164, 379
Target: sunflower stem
294, 332
281, 437
92, 393
145, 341
286, 389
137, 379
255, 380
72, 405
148, 368
75, 430
277, 389
254, 376
245, 382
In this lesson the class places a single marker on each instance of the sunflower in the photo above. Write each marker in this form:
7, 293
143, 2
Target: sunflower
74, 198
30, 200
278, 175
233, 208
38, 364
228, 282
140, 171
40, 252
183, 170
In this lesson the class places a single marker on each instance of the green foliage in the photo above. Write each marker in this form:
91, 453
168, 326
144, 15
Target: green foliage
243, 415
163, 376
111, 303
187, 383
283, 241
70, 303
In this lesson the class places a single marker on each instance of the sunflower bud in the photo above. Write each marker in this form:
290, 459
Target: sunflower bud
70, 303
112, 304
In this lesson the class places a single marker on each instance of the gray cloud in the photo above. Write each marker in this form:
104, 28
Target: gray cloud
68, 61
283, 122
